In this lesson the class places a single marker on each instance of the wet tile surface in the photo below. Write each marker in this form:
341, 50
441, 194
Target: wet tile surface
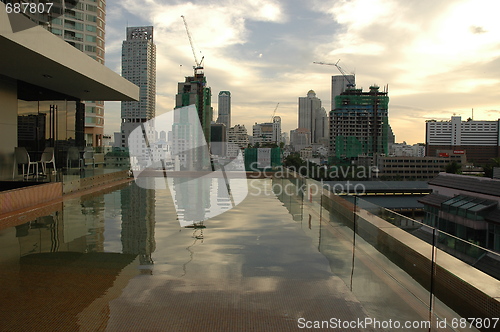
121, 262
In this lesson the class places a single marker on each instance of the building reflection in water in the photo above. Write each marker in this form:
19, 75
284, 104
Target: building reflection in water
54, 271
138, 223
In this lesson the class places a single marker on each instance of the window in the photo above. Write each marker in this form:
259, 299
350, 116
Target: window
57, 21
56, 31
91, 18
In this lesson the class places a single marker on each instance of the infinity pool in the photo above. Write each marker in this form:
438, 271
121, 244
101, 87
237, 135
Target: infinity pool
121, 262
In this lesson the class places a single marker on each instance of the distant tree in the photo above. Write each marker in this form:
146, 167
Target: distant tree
453, 168
293, 160
488, 168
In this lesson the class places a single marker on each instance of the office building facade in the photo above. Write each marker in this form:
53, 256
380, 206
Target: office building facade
480, 140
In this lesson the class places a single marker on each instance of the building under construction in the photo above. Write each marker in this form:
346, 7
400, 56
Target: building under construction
359, 124
194, 91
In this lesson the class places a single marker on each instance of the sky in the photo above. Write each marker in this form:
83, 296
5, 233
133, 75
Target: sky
438, 57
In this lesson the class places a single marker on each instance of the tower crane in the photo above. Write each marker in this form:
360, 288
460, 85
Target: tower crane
199, 65
336, 64
274, 112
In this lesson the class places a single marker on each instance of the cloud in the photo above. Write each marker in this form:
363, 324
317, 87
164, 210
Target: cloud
432, 53
438, 56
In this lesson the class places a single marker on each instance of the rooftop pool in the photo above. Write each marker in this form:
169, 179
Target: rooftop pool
278, 261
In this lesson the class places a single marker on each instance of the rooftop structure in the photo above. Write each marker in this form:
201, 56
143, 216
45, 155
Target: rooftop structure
467, 207
414, 168
54, 80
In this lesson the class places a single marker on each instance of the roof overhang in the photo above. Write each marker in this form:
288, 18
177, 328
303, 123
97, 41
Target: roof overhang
38, 57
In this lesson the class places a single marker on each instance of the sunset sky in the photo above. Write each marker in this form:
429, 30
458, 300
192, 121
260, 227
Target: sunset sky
439, 57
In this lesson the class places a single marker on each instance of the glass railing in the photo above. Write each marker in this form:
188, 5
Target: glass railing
398, 268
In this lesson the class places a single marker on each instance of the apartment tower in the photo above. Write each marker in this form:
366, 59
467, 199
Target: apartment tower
81, 24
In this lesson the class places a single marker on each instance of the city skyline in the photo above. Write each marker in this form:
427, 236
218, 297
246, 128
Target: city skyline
438, 58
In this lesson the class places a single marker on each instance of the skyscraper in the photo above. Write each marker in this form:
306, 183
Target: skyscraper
81, 24
139, 67
224, 109
313, 117
340, 83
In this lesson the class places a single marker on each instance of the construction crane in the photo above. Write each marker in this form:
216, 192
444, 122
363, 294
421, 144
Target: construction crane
336, 64
274, 112
198, 63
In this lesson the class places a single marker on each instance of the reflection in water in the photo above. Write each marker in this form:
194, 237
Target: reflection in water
198, 238
138, 222
62, 257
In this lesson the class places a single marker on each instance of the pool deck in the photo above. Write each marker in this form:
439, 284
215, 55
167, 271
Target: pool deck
251, 269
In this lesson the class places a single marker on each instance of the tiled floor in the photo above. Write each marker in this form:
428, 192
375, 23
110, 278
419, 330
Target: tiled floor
251, 269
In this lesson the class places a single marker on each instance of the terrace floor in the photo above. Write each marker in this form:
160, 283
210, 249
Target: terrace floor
121, 262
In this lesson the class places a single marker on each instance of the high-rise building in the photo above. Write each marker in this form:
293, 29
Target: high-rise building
300, 138
237, 139
139, 67
479, 140
194, 91
359, 124
262, 133
267, 132
277, 130
81, 24
313, 117
340, 83
218, 139
224, 109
